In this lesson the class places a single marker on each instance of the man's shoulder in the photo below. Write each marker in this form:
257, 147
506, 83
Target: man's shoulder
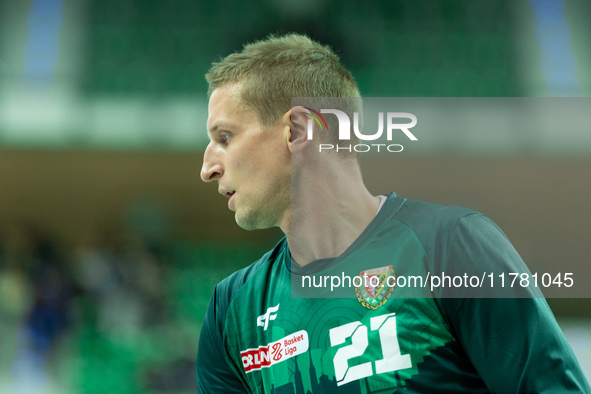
425, 216
232, 284
439, 227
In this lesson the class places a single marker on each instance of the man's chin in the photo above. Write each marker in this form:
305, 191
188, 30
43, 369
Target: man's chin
248, 222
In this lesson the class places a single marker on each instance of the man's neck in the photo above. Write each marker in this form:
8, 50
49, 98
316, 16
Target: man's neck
327, 217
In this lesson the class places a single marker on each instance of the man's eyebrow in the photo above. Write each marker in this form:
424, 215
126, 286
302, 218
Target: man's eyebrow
221, 125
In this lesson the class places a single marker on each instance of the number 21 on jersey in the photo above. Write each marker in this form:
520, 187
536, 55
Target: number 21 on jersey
392, 359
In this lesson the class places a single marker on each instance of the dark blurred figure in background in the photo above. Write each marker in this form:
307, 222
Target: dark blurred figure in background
123, 279
38, 303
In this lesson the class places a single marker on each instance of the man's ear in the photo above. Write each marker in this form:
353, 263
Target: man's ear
298, 120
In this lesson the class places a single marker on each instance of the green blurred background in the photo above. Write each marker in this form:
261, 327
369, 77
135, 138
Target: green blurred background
110, 245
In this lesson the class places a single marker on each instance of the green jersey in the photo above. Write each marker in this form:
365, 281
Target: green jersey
261, 336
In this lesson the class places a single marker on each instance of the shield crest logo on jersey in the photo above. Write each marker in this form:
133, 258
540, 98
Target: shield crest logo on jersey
374, 291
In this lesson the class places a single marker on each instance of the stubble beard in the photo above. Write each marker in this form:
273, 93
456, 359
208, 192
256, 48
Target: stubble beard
266, 213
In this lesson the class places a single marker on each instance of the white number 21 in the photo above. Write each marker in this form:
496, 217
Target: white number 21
392, 361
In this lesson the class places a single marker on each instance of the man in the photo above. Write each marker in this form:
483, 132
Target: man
260, 337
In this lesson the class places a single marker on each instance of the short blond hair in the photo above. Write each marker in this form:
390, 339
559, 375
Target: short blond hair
278, 68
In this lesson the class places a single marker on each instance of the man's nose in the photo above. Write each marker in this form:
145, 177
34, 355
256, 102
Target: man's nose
212, 168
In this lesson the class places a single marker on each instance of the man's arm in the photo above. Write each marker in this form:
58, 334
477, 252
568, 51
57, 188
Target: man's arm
515, 344
214, 375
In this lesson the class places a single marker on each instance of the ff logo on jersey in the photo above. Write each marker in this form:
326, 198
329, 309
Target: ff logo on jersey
263, 320
373, 297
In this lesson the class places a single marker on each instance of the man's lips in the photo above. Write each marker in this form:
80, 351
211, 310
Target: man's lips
229, 194
226, 192
230, 201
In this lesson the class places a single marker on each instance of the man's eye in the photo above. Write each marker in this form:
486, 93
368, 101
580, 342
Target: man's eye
224, 137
